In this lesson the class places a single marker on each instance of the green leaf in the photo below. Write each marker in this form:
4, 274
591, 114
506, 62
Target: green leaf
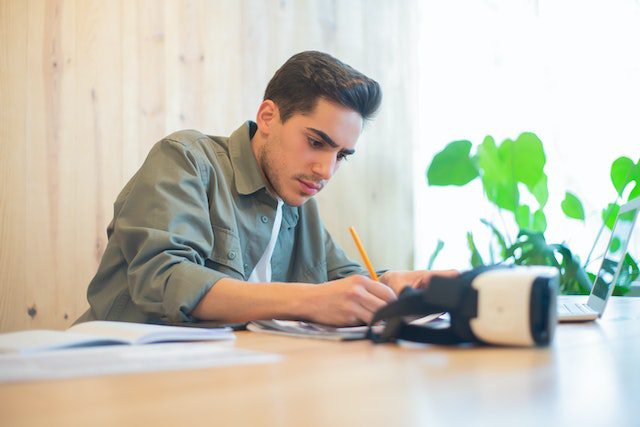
609, 215
629, 273
635, 193
539, 221
528, 159
452, 166
531, 249
615, 244
572, 206
622, 172
540, 191
492, 259
476, 258
573, 278
628, 216
498, 180
435, 253
499, 237
630, 268
523, 217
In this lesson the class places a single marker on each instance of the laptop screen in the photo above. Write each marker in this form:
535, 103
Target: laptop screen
616, 251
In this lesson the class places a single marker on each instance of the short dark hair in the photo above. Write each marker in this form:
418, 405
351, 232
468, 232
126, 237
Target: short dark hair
308, 76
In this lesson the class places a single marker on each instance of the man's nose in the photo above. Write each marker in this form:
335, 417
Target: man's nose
325, 166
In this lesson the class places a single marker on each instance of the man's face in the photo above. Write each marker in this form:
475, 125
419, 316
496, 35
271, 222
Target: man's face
301, 155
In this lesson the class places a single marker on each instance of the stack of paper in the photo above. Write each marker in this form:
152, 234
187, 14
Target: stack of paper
301, 329
307, 329
89, 349
119, 359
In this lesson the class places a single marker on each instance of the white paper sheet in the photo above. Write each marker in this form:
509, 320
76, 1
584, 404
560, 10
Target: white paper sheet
120, 359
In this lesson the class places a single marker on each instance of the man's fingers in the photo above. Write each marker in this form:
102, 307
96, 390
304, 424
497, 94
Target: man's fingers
423, 280
447, 273
370, 302
363, 314
380, 290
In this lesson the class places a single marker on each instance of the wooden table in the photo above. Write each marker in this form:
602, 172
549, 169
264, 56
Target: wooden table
590, 376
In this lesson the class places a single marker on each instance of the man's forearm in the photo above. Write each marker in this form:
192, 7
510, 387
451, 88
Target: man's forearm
231, 300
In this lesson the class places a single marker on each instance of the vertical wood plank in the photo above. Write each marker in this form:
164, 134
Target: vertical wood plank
42, 196
131, 126
257, 69
223, 86
70, 263
99, 132
143, 81
50, 160
151, 80
13, 99
184, 22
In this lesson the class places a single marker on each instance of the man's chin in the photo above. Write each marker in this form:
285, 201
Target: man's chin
296, 200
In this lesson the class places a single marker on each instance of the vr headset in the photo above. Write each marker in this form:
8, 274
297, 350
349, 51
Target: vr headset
497, 305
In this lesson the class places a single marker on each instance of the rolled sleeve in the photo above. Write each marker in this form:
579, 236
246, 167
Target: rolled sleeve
165, 233
189, 283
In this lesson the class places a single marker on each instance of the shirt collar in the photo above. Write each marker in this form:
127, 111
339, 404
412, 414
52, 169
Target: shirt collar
247, 173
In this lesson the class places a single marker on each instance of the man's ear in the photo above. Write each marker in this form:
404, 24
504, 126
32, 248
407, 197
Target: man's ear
268, 115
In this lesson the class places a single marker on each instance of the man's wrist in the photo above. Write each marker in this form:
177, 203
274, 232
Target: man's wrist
303, 302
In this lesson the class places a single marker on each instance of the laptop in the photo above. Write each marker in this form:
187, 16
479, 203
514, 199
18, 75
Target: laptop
609, 270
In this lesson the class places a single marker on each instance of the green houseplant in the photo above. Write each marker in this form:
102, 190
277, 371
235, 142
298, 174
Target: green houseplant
507, 171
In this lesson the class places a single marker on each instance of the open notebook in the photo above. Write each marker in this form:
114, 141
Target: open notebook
97, 333
300, 329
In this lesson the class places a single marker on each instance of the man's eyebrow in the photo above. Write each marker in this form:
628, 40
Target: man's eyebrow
326, 138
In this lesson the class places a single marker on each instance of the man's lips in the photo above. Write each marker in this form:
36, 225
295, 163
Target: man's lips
309, 187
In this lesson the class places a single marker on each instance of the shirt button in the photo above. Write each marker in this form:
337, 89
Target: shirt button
264, 219
231, 255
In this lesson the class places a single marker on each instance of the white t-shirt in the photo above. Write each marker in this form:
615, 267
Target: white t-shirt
262, 270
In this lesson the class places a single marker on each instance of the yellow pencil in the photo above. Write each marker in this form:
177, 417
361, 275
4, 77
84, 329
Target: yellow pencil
363, 254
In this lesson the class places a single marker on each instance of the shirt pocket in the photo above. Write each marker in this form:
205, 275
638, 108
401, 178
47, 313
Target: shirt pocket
226, 255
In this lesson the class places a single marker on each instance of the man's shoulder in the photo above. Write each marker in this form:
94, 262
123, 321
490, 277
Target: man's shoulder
190, 142
190, 138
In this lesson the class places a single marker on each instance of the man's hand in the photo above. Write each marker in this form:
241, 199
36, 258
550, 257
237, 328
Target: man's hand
349, 301
398, 280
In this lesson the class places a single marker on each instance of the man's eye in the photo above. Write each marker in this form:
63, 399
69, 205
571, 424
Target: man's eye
343, 156
315, 143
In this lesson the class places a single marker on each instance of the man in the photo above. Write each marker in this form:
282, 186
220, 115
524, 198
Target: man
226, 229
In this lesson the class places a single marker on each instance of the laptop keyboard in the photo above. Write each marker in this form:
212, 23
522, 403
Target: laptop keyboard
574, 308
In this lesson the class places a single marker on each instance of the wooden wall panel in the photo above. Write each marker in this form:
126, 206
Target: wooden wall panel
50, 172
13, 145
98, 129
223, 86
88, 86
143, 91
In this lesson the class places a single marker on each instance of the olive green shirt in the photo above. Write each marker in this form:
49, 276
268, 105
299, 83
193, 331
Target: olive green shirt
198, 211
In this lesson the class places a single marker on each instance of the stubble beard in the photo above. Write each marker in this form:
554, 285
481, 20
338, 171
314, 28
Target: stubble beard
267, 164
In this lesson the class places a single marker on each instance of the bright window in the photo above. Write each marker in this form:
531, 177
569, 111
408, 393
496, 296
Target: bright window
568, 71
